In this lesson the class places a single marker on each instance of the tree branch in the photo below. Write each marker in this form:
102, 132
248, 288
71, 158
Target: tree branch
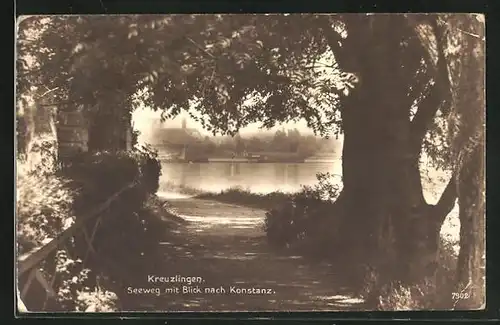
199, 47
48, 92
472, 34
333, 39
440, 92
427, 109
446, 202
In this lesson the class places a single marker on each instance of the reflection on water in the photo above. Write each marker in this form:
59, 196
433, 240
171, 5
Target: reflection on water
256, 177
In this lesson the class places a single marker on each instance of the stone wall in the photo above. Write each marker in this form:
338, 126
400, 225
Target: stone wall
72, 134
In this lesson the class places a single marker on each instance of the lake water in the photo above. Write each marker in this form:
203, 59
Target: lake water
256, 177
269, 177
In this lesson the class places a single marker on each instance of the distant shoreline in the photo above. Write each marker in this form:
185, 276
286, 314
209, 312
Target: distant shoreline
250, 161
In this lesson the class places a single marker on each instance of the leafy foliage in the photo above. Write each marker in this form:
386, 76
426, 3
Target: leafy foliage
226, 70
100, 175
150, 168
44, 209
450, 132
49, 203
431, 293
466, 53
210, 64
296, 220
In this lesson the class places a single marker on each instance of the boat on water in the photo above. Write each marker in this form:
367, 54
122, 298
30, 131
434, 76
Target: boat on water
256, 159
249, 158
323, 158
238, 159
246, 160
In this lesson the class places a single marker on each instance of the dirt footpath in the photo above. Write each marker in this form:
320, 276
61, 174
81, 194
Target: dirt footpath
223, 252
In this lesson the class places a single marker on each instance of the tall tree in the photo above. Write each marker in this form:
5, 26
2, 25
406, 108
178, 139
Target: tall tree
468, 152
294, 139
382, 143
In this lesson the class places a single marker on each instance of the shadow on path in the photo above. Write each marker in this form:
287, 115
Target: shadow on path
225, 246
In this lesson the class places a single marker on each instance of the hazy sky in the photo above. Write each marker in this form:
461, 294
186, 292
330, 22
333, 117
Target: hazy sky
144, 117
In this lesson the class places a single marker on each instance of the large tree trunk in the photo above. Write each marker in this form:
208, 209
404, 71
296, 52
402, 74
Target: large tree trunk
382, 201
470, 146
471, 260
382, 197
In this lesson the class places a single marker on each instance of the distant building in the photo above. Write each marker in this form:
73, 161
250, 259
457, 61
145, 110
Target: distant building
176, 140
176, 136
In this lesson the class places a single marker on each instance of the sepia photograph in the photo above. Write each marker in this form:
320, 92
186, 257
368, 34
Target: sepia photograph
250, 162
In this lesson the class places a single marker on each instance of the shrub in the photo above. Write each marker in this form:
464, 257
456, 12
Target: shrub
150, 168
142, 224
97, 301
245, 197
295, 222
44, 210
50, 203
40, 156
100, 175
430, 293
